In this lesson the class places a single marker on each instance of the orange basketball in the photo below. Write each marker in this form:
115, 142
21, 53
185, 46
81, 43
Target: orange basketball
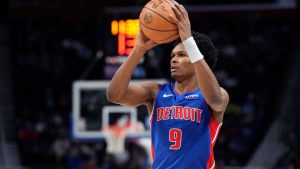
155, 21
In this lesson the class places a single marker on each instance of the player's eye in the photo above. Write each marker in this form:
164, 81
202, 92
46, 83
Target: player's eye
172, 55
181, 55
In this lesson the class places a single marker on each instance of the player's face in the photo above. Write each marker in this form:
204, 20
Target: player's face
181, 66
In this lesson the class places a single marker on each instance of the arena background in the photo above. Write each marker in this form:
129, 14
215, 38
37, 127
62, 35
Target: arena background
49, 46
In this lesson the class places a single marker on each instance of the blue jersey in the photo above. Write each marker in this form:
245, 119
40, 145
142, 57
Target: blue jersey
183, 130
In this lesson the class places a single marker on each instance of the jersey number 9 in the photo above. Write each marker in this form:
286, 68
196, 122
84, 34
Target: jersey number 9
175, 136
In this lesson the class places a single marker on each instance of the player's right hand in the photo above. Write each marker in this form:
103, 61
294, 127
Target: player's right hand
143, 42
182, 20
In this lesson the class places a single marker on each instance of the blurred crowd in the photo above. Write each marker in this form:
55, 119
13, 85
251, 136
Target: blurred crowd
50, 53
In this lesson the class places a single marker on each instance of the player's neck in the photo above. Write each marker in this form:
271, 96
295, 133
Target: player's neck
186, 86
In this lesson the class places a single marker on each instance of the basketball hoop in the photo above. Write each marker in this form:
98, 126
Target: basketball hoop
117, 132
115, 139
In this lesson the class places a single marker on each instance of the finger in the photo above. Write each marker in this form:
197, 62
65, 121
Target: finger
184, 11
140, 32
176, 3
180, 9
177, 13
178, 6
173, 18
141, 35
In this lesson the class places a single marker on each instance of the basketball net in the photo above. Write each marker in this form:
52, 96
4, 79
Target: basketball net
116, 139
116, 134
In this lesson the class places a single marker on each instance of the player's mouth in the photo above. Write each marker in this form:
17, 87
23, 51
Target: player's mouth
174, 68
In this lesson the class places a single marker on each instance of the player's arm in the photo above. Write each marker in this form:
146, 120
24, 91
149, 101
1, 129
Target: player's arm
120, 91
216, 97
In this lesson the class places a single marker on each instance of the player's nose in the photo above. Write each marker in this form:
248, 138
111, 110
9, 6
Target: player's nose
174, 59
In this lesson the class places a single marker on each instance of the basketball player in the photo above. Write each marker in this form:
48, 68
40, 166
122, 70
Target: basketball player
186, 116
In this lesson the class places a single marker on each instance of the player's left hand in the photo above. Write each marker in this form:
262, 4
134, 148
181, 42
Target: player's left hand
144, 42
182, 20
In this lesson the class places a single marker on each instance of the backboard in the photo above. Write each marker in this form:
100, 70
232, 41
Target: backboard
93, 115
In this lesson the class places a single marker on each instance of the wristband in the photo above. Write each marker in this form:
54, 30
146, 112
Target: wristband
192, 49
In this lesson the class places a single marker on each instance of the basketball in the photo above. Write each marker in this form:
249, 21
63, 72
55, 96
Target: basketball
155, 22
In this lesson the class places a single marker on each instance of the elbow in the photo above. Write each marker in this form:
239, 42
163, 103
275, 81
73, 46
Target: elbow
215, 100
219, 103
112, 96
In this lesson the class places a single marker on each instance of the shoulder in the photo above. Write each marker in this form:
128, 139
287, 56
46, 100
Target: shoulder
152, 87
